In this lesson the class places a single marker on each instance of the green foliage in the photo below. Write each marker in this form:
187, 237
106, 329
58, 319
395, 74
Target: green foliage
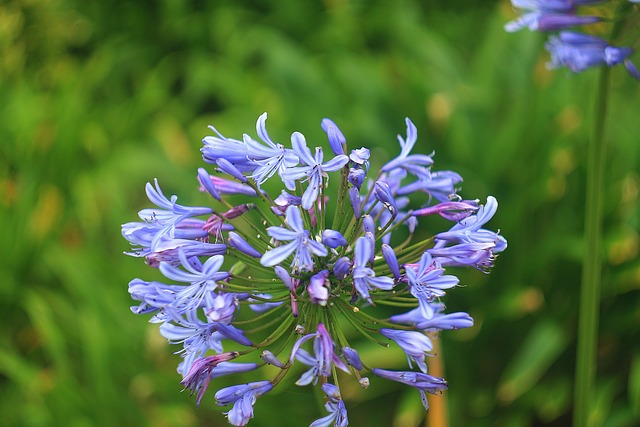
97, 98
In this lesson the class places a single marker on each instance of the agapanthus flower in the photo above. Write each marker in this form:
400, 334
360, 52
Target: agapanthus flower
301, 244
335, 406
578, 52
243, 398
547, 15
276, 278
313, 171
418, 380
570, 49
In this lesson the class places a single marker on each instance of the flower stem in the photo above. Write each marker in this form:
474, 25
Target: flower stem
592, 260
437, 415
591, 263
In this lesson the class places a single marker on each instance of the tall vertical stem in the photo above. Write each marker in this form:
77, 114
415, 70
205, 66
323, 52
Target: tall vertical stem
437, 415
592, 262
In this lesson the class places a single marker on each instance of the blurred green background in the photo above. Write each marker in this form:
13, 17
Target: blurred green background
99, 97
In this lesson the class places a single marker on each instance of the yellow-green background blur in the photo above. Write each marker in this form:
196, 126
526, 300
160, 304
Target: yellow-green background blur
99, 97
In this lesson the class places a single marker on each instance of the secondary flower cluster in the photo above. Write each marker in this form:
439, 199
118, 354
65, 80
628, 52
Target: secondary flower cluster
573, 50
288, 281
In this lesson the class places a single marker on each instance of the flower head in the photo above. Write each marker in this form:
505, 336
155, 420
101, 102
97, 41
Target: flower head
578, 52
273, 281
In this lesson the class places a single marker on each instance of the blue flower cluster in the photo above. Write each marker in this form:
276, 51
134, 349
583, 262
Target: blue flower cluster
285, 282
573, 50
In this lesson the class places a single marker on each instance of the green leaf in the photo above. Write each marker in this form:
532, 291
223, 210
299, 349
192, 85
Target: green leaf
540, 349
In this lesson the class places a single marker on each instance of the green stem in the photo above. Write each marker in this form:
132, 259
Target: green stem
591, 263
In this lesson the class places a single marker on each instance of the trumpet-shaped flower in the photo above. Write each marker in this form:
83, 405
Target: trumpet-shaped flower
300, 243
313, 171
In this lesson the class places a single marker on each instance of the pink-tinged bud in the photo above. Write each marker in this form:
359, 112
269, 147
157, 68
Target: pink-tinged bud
236, 211
452, 211
294, 304
198, 377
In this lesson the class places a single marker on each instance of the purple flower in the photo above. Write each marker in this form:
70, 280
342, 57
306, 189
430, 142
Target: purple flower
271, 359
356, 201
337, 141
314, 170
335, 406
363, 277
415, 345
260, 306
428, 282
221, 308
344, 264
475, 245
449, 321
202, 279
341, 268
198, 377
300, 243
243, 398
356, 177
221, 147
230, 169
323, 359
206, 184
385, 196
352, 358
333, 239
153, 296
547, 15
469, 229
439, 185
318, 288
170, 213
578, 52
452, 211
196, 336
390, 258
416, 164
436, 319
237, 242
269, 159
360, 156
152, 241
222, 186
422, 382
